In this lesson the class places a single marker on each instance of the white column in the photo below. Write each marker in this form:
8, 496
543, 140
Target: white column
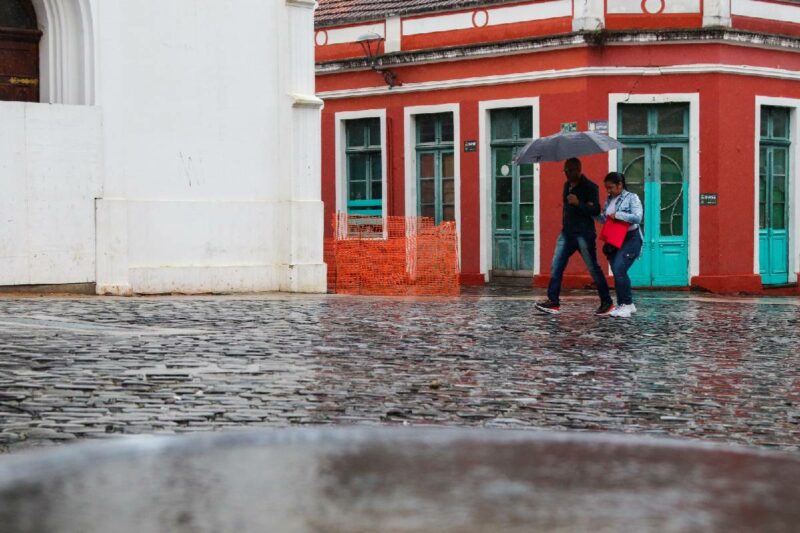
716, 13
394, 35
588, 15
301, 120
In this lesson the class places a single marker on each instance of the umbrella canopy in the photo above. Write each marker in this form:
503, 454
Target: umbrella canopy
563, 146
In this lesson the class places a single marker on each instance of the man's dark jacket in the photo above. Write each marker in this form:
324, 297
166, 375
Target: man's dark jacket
578, 218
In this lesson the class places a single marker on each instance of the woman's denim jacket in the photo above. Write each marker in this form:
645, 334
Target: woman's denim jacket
629, 209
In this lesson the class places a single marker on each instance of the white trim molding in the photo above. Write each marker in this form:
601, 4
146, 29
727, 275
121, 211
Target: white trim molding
651, 7
794, 187
485, 182
522, 77
307, 4
483, 17
410, 159
717, 13
394, 35
67, 51
588, 15
341, 160
351, 34
693, 99
308, 101
773, 11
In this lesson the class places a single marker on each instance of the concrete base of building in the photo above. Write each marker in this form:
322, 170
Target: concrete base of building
570, 281
60, 288
729, 283
722, 284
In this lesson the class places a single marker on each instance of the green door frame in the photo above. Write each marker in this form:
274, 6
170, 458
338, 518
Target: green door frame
773, 192
512, 192
661, 132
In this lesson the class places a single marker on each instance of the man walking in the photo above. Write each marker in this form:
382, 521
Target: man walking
581, 203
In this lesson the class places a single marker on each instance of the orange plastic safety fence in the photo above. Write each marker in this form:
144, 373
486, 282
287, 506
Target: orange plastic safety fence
392, 256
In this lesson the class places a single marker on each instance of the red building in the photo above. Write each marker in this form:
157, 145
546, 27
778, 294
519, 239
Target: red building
704, 93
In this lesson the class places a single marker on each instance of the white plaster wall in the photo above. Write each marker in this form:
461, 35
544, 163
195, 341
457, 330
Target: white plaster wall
50, 174
211, 137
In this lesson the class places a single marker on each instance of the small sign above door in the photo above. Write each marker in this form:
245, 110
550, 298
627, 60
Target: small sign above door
708, 198
470, 146
567, 127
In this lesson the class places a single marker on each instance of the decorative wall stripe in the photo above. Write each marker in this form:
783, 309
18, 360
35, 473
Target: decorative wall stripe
701, 68
766, 10
651, 7
349, 34
480, 18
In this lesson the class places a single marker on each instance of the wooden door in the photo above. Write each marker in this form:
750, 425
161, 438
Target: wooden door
773, 196
19, 51
655, 162
512, 193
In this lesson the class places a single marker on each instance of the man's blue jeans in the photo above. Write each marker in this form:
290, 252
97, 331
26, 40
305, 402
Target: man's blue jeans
621, 261
568, 244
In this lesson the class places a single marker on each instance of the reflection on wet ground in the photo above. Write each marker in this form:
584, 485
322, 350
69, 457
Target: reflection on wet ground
703, 367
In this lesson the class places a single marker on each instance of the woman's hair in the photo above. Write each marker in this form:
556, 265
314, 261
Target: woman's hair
616, 178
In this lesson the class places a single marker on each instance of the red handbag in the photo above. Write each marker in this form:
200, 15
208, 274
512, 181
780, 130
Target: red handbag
614, 232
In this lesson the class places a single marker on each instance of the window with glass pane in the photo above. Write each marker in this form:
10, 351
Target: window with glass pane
435, 166
504, 188
672, 192
780, 123
779, 188
526, 197
762, 188
773, 167
634, 119
364, 167
633, 167
512, 124
672, 119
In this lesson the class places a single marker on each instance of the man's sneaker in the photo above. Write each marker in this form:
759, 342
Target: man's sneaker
633, 308
605, 308
621, 311
548, 307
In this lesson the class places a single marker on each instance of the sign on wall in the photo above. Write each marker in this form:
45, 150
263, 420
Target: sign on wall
470, 146
708, 198
567, 127
599, 126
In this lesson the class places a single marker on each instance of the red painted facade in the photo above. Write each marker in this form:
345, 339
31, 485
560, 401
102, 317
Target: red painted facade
573, 75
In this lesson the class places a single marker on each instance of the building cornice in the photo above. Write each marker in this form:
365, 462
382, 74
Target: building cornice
524, 77
570, 40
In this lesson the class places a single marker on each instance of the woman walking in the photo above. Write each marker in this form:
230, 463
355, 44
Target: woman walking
625, 206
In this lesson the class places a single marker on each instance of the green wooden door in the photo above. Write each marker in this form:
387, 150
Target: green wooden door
512, 191
655, 163
773, 181
436, 193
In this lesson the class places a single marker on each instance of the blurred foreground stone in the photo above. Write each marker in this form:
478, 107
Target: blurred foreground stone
396, 479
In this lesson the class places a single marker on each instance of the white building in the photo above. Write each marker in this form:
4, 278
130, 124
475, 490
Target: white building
174, 146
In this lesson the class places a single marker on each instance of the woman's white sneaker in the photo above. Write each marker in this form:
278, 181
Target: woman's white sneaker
633, 308
622, 311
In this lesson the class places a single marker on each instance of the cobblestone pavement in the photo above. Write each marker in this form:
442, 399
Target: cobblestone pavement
686, 365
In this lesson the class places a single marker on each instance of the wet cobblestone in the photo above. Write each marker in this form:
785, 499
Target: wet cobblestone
700, 367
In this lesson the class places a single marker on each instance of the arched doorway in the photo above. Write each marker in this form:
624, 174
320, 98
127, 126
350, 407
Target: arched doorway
19, 51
